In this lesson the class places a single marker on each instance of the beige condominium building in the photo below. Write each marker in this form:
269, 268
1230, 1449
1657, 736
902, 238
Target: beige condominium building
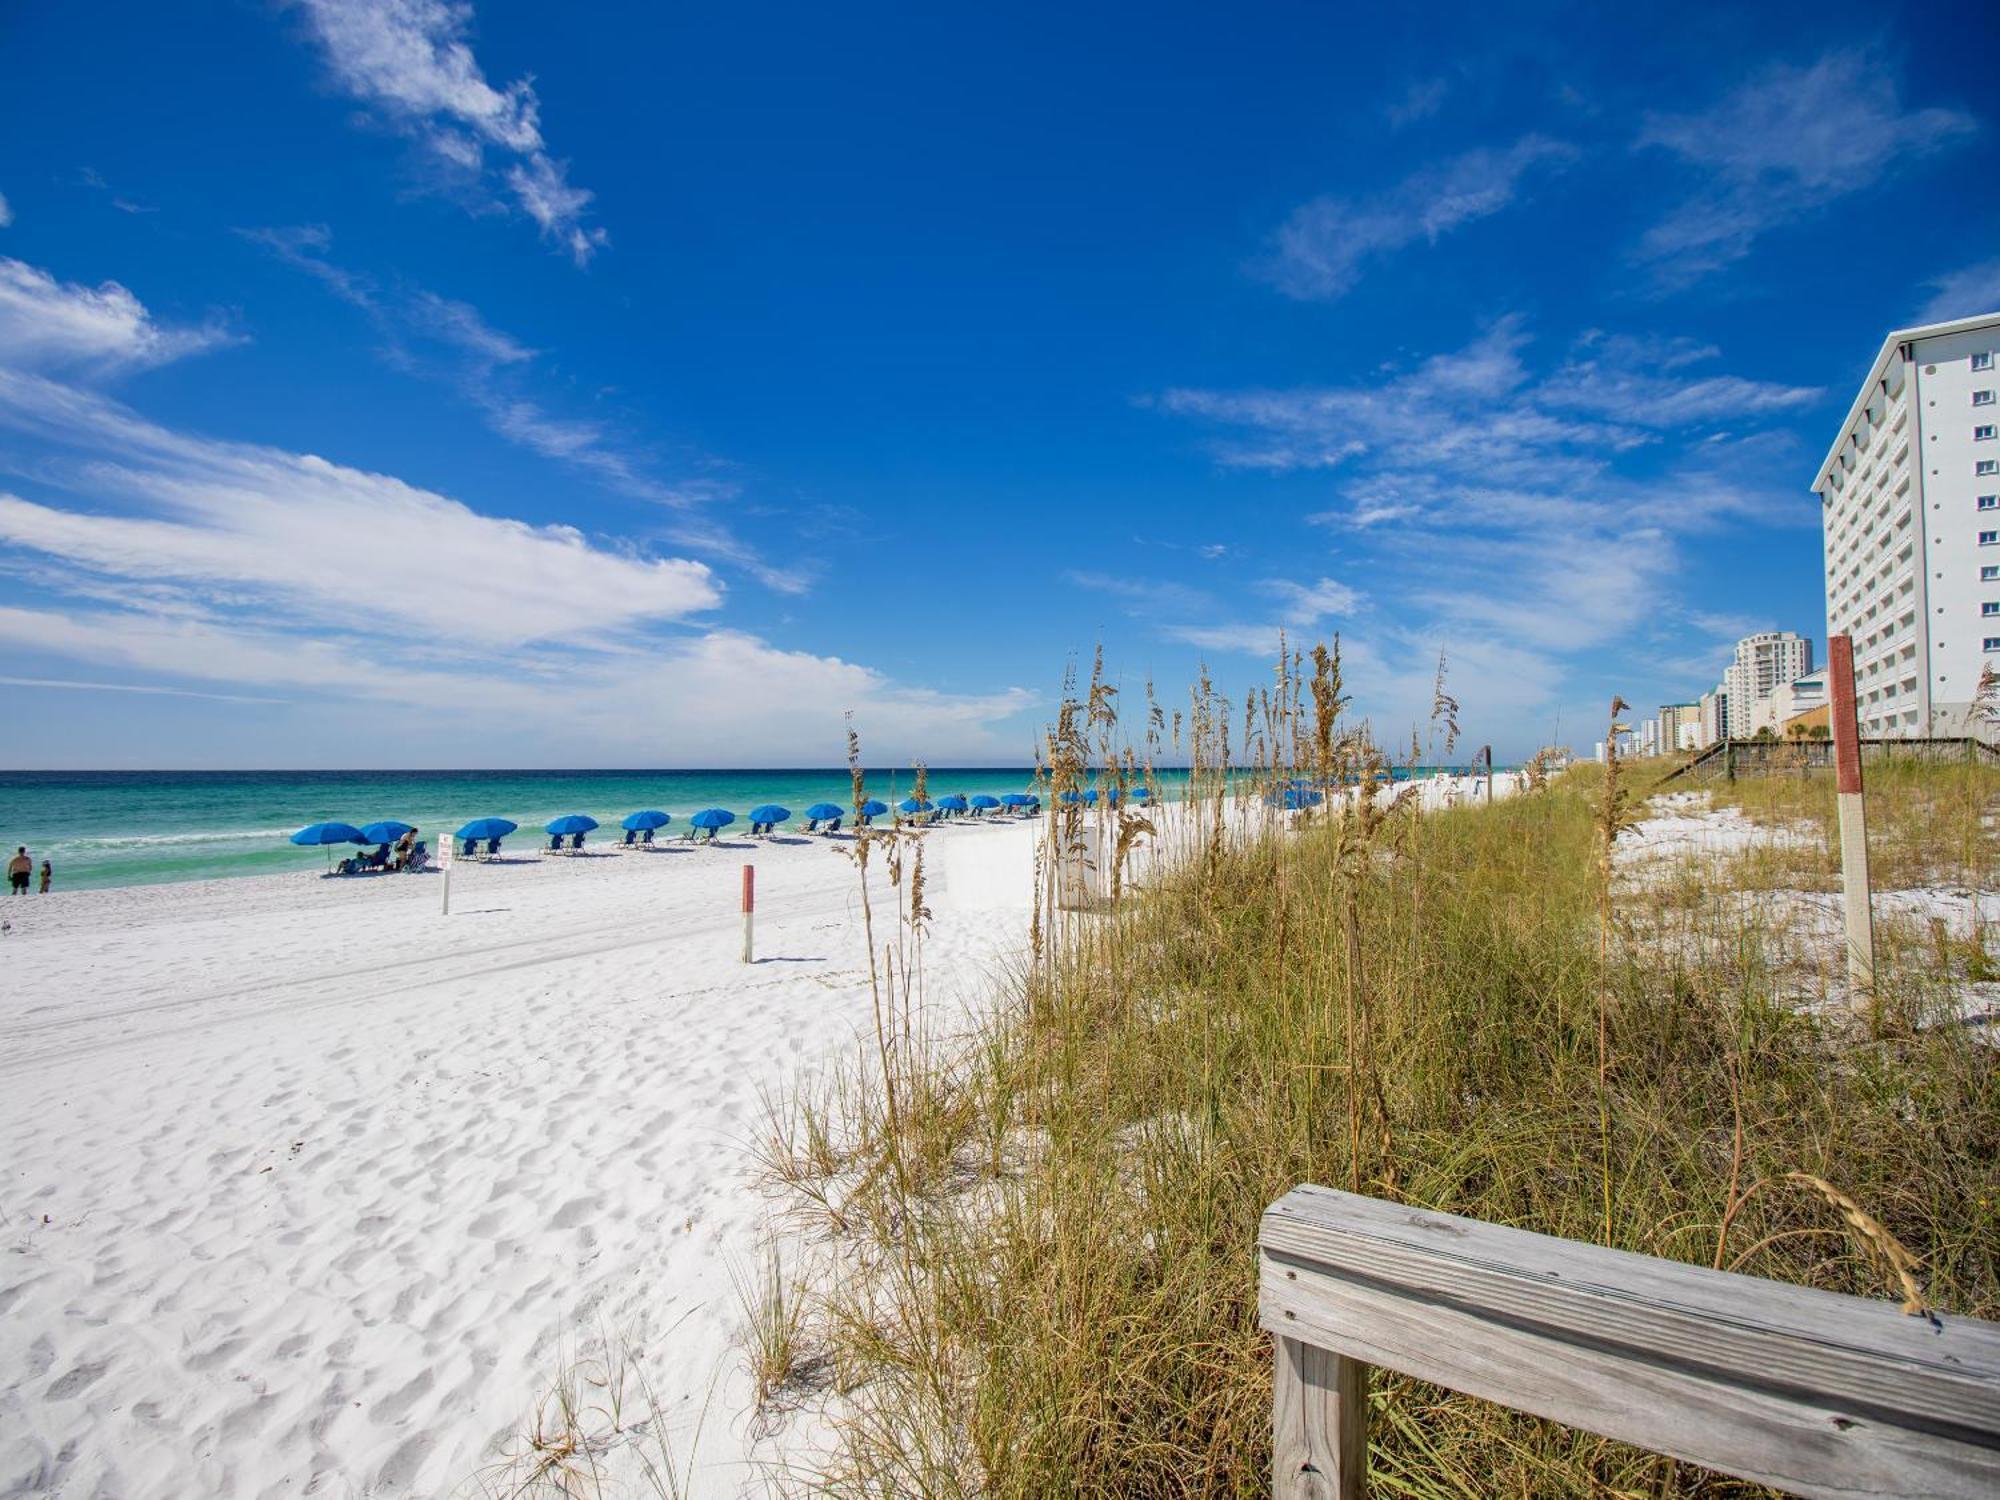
1910, 510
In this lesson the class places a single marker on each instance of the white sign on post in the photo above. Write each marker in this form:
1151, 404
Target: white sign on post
447, 846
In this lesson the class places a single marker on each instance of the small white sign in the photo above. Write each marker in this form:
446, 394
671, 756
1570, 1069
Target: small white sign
447, 846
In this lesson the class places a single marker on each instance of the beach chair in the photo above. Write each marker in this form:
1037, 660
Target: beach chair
471, 848
576, 843
646, 837
555, 843
832, 826
631, 838
492, 848
420, 858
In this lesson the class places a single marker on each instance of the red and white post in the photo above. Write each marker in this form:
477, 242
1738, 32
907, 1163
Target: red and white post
749, 909
1853, 820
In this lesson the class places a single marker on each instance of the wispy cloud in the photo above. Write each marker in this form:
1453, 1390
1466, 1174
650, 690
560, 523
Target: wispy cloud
411, 60
60, 325
6, 213
1173, 609
66, 684
1787, 143
1423, 98
1964, 293
1491, 496
1480, 410
451, 341
1322, 250
338, 546
182, 564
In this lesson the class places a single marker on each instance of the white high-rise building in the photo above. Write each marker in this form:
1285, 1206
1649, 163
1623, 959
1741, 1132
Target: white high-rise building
1764, 662
1910, 505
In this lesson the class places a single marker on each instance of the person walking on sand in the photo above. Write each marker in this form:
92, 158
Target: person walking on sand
47, 874
17, 870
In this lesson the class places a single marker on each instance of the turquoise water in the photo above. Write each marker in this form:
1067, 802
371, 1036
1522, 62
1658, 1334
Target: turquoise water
102, 828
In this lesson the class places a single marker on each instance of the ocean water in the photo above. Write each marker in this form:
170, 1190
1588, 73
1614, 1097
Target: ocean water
105, 828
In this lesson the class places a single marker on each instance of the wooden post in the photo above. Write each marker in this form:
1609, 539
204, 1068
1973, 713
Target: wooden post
1319, 1437
749, 908
1853, 825
1487, 751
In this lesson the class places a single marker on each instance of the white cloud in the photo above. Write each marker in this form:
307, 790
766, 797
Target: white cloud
438, 337
1787, 143
148, 690
1323, 248
1167, 606
758, 704
1479, 411
1422, 99
411, 59
1964, 293
6, 213
330, 544
1483, 500
50, 324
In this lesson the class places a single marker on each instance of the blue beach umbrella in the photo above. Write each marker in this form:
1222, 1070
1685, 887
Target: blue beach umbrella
770, 812
570, 823
983, 802
1018, 799
820, 811
386, 832
1090, 798
953, 803
1069, 796
1293, 798
486, 828
712, 817
913, 805
873, 809
642, 822
1142, 793
330, 833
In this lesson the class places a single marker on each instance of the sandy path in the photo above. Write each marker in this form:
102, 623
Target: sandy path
305, 1189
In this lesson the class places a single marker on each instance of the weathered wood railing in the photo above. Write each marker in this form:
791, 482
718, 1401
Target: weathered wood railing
1805, 1390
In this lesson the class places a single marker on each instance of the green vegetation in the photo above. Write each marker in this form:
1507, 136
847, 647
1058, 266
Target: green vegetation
1038, 1241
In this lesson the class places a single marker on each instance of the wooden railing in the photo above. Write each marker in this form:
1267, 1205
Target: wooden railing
1808, 1391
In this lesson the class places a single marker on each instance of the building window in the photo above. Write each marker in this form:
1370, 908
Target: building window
1989, 502
1987, 466
1989, 538
1992, 643
1990, 573
1982, 398
1983, 433
1990, 607
1982, 361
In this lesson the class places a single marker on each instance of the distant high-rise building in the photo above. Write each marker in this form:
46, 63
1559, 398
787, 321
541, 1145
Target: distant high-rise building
1680, 725
1763, 662
1910, 510
1714, 715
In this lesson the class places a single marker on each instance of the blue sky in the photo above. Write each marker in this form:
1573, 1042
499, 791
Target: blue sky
395, 382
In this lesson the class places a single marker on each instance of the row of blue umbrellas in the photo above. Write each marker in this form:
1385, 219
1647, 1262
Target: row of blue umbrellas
388, 830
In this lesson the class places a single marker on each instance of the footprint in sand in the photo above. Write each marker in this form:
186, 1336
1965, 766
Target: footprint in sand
75, 1381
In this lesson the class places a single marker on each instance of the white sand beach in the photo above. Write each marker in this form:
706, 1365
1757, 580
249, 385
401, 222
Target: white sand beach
307, 1189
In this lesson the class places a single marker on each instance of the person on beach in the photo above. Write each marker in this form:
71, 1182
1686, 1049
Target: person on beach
17, 870
47, 875
403, 847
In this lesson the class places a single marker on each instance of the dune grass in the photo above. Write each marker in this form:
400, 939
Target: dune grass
1042, 1236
